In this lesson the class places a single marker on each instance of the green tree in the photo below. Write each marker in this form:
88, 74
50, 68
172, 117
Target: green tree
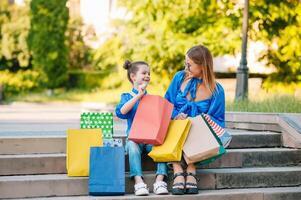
160, 32
79, 52
47, 40
14, 27
278, 23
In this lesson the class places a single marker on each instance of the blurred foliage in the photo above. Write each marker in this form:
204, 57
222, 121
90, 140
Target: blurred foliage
18, 82
281, 87
160, 32
47, 40
157, 31
86, 79
14, 27
79, 52
278, 23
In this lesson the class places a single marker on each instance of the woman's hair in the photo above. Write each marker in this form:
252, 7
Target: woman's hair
132, 67
200, 55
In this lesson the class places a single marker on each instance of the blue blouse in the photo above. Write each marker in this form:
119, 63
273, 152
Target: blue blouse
213, 106
125, 97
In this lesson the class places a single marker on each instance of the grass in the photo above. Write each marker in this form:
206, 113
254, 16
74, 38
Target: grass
261, 102
275, 103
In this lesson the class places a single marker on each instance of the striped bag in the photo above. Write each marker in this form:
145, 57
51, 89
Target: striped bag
223, 135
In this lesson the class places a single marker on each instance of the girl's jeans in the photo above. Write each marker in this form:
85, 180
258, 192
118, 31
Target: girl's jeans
134, 151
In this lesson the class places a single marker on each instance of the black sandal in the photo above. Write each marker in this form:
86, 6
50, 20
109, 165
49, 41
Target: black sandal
194, 189
176, 190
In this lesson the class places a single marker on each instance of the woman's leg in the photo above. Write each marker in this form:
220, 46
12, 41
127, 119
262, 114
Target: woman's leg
178, 187
191, 180
177, 168
191, 169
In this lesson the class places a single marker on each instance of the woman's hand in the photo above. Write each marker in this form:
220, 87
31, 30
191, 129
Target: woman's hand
181, 116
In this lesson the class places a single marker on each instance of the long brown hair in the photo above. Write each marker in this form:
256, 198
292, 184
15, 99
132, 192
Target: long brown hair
200, 55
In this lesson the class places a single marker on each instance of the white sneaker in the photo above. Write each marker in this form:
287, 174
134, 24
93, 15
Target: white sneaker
160, 187
141, 189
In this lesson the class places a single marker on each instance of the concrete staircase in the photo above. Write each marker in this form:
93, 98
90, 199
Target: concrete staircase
257, 166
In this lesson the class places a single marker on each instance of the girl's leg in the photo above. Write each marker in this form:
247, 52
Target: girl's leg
161, 167
159, 187
161, 171
134, 152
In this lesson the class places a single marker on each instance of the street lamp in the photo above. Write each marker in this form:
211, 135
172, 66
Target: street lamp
242, 71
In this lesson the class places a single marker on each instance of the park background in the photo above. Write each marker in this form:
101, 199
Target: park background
62, 50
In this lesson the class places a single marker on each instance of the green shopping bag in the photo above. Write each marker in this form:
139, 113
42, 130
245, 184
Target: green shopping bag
103, 120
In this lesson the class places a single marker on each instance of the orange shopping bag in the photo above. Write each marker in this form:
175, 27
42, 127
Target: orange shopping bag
151, 120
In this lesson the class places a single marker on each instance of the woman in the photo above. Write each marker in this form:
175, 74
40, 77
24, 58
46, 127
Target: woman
194, 91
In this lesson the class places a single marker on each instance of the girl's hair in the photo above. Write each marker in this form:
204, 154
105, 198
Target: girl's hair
200, 55
132, 67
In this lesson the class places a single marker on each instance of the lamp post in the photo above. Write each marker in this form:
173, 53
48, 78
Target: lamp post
242, 71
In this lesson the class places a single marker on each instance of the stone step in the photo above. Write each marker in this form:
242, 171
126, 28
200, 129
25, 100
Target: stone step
235, 158
276, 193
57, 143
254, 126
61, 185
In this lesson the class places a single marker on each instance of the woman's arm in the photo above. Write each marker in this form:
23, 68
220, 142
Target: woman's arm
217, 108
173, 88
172, 91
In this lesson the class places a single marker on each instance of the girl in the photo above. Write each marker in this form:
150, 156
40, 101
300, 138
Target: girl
194, 91
138, 74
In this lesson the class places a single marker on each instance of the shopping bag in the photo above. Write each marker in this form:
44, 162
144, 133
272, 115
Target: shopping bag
116, 142
78, 146
103, 120
201, 143
151, 120
107, 171
171, 149
221, 151
223, 135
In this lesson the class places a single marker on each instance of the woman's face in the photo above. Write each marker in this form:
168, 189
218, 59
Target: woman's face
194, 69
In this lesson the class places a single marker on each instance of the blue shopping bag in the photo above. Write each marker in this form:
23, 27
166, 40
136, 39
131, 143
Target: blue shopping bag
107, 171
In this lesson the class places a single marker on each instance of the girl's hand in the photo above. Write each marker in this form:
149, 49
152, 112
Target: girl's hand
181, 116
141, 89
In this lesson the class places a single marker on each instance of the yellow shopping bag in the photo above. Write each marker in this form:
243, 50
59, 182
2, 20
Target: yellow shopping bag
171, 149
79, 142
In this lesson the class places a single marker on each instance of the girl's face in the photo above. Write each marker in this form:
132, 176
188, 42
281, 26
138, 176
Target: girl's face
194, 69
142, 76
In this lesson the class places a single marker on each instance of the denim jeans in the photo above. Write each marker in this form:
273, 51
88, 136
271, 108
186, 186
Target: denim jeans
134, 151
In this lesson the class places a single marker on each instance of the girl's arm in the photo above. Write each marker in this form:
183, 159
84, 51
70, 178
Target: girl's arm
130, 104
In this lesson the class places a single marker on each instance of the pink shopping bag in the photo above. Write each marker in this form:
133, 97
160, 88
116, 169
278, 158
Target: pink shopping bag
151, 120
